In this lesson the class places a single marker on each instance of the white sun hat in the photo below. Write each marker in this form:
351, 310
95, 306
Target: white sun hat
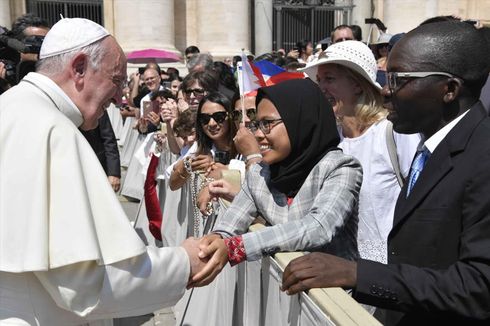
70, 34
354, 55
383, 38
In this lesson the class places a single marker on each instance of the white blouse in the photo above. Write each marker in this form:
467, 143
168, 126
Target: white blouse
380, 188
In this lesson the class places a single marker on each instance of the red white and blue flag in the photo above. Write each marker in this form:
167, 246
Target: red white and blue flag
252, 76
248, 79
273, 74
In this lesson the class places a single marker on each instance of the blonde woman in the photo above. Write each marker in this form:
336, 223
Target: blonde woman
346, 74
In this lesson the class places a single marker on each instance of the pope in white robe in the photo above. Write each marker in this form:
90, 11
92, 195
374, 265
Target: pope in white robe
68, 253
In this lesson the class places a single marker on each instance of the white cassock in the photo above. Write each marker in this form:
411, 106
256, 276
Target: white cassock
68, 253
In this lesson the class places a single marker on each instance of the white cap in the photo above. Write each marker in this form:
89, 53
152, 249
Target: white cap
354, 55
383, 38
70, 34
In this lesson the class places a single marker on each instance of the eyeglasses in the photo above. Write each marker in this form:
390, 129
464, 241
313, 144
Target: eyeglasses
237, 114
219, 117
198, 92
398, 79
264, 125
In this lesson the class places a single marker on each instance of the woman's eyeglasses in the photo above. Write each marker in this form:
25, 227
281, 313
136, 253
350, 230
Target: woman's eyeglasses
219, 117
237, 114
264, 125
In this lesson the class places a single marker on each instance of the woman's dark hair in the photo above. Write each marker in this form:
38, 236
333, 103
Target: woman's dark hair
173, 77
206, 79
357, 32
165, 93
301, 45
236, 60
225, 75
204, 143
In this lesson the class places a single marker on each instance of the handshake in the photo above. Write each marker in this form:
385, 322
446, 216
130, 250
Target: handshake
207, 257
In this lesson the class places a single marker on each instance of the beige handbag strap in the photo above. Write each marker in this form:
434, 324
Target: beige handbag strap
390, 143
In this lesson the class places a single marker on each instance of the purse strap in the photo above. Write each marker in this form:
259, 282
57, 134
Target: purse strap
390, 143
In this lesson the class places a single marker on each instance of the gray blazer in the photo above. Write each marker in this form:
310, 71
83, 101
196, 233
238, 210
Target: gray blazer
322, 217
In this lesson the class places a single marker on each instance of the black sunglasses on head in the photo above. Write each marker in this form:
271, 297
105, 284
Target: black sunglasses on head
219, 117
237, 114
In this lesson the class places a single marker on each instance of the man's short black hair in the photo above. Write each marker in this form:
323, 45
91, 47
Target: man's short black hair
356, 31
192, 50
27, 20
453, 47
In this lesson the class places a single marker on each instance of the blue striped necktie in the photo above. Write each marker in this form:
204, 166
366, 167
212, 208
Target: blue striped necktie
417, 167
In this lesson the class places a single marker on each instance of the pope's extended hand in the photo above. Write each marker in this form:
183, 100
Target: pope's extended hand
191, 246
213, 248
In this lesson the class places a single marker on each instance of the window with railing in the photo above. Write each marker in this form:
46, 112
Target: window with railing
297, 20
52, 9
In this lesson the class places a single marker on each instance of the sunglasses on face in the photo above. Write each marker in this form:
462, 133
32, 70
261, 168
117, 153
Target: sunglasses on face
198, 92
237, 114
264, 125
219, 117
396, 80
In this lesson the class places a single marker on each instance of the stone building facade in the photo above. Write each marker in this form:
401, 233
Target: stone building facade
224, 27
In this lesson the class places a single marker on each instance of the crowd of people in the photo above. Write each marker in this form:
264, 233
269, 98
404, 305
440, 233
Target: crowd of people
379, 177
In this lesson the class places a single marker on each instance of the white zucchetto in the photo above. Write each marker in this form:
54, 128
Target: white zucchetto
70, 34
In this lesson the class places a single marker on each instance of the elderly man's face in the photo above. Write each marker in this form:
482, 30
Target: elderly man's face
152, 79
104, 85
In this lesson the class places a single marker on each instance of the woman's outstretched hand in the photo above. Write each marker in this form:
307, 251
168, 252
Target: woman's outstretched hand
212, 247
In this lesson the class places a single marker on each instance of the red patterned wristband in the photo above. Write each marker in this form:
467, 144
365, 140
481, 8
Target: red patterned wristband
236, 250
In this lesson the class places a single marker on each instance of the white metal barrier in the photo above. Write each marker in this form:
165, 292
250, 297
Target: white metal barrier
331, 306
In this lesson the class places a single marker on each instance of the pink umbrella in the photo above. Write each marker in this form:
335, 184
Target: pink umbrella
149, 55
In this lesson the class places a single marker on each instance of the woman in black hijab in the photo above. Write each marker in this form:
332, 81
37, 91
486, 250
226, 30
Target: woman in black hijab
301, 184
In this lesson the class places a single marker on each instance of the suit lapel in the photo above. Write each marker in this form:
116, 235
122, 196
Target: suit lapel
439, 164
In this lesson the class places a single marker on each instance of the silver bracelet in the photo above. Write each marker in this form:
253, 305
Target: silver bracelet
187, 164
252, 156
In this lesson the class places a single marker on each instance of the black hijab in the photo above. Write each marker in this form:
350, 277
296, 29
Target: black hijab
311, 127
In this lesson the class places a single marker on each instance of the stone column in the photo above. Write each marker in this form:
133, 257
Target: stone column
5, 14
414, 12
263, 26
223, 27
140, 26
361, 11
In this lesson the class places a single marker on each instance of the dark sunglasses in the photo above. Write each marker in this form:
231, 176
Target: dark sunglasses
237, 114
198, 92
219, 117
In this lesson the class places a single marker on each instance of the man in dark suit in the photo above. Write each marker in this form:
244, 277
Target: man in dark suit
104, 144
438, 269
